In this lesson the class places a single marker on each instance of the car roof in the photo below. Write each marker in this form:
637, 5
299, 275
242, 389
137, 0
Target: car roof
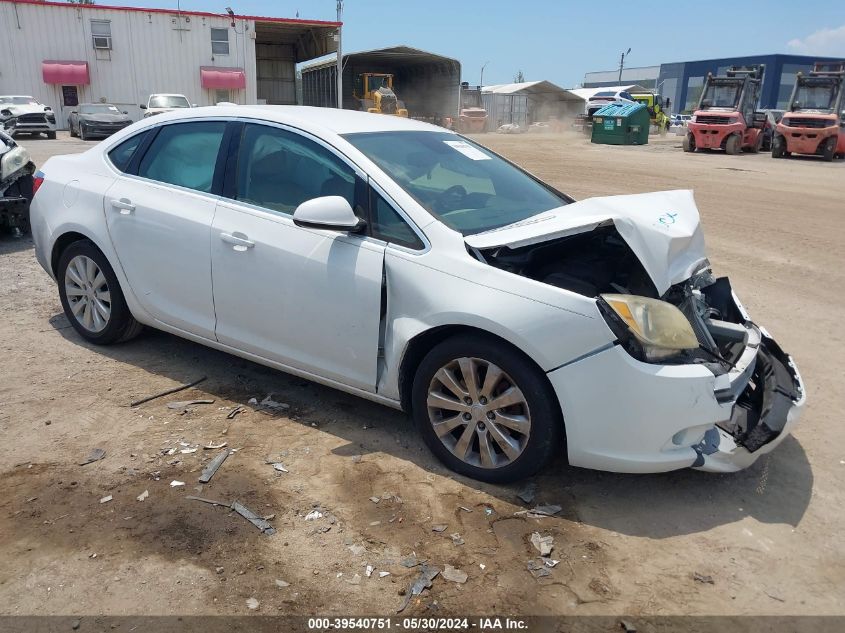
96, 103
308, 118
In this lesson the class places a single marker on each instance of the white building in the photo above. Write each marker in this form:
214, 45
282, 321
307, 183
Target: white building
65, 54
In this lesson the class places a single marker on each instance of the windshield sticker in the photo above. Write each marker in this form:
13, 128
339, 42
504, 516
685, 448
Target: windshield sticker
668, 219
468, 150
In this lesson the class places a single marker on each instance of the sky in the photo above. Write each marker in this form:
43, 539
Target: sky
560, 40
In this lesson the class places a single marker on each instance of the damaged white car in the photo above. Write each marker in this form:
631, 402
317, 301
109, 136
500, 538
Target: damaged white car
24, 114
401, 262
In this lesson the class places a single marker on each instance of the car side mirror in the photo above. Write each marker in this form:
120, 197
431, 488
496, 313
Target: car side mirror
330, 213
126, 112
142, 106
48, 109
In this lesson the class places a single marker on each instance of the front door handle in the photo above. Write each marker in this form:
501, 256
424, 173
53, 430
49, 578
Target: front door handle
124, 205
239, 241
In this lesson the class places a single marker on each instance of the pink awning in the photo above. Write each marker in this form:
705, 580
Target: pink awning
222, 78
64, 72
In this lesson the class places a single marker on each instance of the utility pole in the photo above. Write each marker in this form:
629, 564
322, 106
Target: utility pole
481, 81
339, 56
622, 65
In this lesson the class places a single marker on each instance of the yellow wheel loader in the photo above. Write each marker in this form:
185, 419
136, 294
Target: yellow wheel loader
374, 91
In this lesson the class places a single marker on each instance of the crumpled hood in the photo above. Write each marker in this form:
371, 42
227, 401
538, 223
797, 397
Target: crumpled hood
18, 109
661, 228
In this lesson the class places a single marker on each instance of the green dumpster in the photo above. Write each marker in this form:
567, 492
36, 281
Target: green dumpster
621, 123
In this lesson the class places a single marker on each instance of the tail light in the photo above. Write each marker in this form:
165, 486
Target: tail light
37, 179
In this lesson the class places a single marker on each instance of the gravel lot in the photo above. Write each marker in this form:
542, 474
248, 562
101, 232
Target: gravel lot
771, 537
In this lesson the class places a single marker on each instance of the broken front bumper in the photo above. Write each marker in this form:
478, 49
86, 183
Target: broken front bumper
624, 415
712, 136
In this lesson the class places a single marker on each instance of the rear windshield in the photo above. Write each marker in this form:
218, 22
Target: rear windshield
99, 108
169, 101
462, 184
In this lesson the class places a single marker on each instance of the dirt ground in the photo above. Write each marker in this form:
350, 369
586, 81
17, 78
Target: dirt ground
771, 537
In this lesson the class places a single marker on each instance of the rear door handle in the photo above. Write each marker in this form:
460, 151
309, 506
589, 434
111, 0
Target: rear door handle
124, 205
239, 241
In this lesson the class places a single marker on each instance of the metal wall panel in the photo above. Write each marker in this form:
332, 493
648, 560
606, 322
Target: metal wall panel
149, 54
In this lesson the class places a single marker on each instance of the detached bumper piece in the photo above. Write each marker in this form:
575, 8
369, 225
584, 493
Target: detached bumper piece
762, 417
762, 409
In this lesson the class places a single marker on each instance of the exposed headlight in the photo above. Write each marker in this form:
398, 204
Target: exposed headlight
660, 329
12, 161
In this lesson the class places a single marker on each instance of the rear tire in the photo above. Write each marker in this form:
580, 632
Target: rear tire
689, 142
733, 145
497, 445
91, 296
778, 143
71, 130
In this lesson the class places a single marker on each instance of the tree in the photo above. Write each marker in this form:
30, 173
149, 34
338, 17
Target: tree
520, 77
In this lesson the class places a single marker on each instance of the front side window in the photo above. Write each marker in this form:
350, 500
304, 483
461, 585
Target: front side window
279, 170
721, 95
101, 34
219, 41
386, 224
184, 154
462, 184
121, 155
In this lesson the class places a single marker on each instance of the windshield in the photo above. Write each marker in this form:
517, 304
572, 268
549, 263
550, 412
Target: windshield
169, 101
99, 108
463, 185
815, 98
720, 95
19, 100
374, 83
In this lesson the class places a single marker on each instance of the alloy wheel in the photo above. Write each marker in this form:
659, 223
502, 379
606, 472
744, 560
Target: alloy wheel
88, 293
478, 412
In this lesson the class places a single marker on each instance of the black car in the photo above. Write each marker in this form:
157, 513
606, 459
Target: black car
97, 119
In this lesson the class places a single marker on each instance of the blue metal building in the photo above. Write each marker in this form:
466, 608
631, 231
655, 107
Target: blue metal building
682, 82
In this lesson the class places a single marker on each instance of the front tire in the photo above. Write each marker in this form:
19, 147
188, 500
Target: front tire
689, 142
82, 135
829, 149
51, 135
733, 144
71, 130
91, 296
485, 410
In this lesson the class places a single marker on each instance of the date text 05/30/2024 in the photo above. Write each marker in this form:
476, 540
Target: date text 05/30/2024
415, 624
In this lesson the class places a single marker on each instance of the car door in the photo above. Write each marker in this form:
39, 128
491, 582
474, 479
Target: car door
159, 215
307, 298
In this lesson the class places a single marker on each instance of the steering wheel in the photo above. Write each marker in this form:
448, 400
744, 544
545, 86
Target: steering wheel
450, 195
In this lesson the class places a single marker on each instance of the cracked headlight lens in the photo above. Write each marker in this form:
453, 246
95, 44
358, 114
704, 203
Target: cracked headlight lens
660, 328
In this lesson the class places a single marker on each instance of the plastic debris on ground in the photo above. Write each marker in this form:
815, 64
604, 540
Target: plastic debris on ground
95, 455
549, 562
454, 575
253, 518
281, 584
537, 569
369, 571
422, 582
106, 499
143, 495
542, 544
355, 580
278, 466
212, 466
212, 446
456, 539
313, 515
382, 574
252, 604
269, 403
357, 550
439, 527
176, 483
528, 493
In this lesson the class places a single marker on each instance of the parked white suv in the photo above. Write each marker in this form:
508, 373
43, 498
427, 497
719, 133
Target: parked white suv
161, 102
22, 113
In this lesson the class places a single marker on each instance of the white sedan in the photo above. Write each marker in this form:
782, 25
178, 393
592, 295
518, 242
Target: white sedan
406, 264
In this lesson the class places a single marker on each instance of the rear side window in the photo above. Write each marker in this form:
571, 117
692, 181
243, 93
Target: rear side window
184, 154
122, 155
386, 224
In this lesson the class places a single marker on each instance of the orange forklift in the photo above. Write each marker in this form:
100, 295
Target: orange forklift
726, 116
815, 121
